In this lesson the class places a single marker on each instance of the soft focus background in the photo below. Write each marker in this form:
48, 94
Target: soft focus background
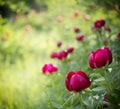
29, 32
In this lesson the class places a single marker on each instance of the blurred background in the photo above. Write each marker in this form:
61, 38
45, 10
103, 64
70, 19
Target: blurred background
29, 31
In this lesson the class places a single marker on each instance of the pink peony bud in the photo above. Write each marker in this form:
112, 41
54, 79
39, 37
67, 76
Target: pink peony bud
80, 37
105, 99
107, 29
49, 68
59, 43
76, 30
70, 50
100, 58
118, 35
99, 23
77, 81
54, 55
105, 42
62, 55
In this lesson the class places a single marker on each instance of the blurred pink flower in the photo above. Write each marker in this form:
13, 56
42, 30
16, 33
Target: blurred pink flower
62, 55
54, 55
105, 42
107, 29
118, 35
59, 43
80, 37
99, 23
70, 50
76, 30
49, 68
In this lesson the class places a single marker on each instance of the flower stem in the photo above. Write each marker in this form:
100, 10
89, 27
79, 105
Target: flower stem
65, 102
81, 103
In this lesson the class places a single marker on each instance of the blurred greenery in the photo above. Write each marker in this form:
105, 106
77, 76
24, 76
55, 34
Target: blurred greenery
29, 31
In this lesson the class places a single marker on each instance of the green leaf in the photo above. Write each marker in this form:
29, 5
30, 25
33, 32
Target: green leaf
101, 88
99, 79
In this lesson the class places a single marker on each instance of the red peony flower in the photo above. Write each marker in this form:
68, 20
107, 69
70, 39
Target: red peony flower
77, 81
99, 23
49, 68
100, 58
80, 37
107, 29
76, 30
59, 43
62, 55
70, 50
105, 42
118, 35
105, 99
54, 55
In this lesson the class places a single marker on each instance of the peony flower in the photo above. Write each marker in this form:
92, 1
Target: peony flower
80, 37
105, 42
107, 29
62, 55
49, 68
59, 43
118, 35
76, 30
105, 99
77, 81
70, 50
54, 55
100, 58
99, 23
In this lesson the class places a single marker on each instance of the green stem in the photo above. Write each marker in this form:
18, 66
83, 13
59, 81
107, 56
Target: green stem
106, 78
80, 98
65, 102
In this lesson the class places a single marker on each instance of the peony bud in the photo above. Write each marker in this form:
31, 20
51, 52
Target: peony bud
54, 55
100, 58
59, 43
99, 23
80, 37
62, 55
107, 29
70, 50
118, 35
49, 68
77, 81
76, 30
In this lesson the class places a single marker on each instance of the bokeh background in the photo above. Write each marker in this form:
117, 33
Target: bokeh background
29, 31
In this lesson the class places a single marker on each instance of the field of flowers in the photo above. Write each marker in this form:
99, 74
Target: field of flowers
63, 57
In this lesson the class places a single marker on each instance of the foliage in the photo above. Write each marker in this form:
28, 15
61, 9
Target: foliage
33, 37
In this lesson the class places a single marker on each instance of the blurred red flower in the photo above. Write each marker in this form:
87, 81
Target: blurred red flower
62, 55
49, 68
99, 23
59, 43
118, 35
107, 29
70, 50
54, 55
80, 37
76, 30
